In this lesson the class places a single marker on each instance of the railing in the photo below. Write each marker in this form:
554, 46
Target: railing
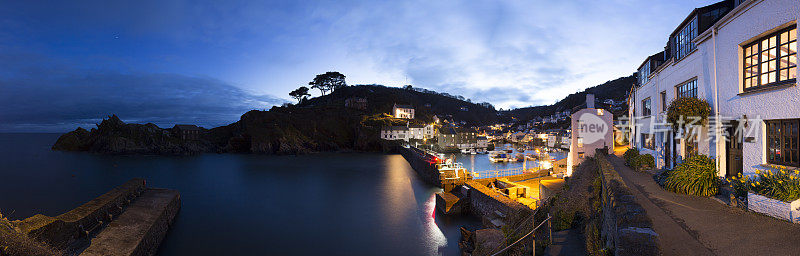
508, 172
550, 231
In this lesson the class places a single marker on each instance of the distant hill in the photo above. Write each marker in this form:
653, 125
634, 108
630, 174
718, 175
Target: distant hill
615, 89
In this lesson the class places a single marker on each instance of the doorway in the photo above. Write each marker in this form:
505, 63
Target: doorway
733, 150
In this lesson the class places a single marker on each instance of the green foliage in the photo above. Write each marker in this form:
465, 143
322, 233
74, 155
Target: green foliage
380, 120
644, 162
695, 176
563, 220
630, 155
740, 185
686, 108
776, 183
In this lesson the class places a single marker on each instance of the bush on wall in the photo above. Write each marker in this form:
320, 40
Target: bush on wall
687, 107
695, 176
644, 162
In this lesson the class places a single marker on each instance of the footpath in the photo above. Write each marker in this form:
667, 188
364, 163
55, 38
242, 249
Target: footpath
691, 225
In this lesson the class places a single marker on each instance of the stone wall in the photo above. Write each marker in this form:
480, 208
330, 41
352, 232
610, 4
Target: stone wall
422, 164
626, 227
71, 229
775, 208
485, 201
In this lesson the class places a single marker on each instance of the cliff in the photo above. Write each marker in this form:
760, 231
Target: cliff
318, 124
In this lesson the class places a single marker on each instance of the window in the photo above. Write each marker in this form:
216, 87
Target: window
664, 101
782, 140
688, 90
644, 72
647, 141
646, 107
771, 60
683, 40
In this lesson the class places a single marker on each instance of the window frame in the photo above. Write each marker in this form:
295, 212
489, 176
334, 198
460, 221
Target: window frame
647, 107
778, 140
663, 95
683, 91
756, 66
683, 39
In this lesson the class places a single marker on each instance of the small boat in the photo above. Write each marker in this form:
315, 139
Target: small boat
498, 157
472, 152
531, 157
465, 151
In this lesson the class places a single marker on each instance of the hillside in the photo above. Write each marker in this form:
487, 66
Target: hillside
317, 124
615, 89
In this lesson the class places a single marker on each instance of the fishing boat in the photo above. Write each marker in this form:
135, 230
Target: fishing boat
451, 170
498, 157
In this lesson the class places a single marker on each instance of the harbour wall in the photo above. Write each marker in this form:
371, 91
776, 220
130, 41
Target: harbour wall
71, 229
423, 163
484, 201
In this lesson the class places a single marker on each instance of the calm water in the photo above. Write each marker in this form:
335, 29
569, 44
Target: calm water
335, 204
480, 163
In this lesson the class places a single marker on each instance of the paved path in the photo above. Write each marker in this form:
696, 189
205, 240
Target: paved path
566, 243
689, 225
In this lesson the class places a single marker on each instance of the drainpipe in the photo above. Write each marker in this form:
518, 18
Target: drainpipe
717, 121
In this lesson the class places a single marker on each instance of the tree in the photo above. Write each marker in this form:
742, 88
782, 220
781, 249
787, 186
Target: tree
330, 81
300, 94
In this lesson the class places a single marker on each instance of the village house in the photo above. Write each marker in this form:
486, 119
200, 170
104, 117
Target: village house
187, 131
456, 138
741, 57
395, 133
403, 111
416, 131
592, 129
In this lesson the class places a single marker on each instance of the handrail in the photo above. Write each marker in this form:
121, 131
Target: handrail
523, 237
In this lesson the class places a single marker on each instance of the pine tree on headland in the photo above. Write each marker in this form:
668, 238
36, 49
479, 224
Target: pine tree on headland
300, 94
328, 82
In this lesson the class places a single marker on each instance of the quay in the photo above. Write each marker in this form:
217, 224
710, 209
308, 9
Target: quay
131, 219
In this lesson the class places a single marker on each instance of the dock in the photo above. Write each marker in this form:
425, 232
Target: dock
131, 219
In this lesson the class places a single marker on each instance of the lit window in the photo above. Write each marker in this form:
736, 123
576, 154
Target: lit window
771, 60
646, 107
782, 142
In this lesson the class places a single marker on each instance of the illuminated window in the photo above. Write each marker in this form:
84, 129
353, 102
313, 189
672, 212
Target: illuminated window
688, 90
782, 142
683, 40
771, 60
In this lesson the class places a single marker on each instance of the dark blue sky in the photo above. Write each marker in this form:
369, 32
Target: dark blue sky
207, 62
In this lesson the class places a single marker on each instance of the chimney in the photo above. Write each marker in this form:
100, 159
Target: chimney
589, 100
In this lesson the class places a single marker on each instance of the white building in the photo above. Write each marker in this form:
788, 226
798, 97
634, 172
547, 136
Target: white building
395, 133
592, 129
416, 131
429, 131
403, 111
740, 56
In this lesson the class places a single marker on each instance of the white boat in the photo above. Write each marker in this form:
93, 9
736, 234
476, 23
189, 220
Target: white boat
451, 170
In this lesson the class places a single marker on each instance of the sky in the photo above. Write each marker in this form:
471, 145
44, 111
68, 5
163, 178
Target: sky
71, 63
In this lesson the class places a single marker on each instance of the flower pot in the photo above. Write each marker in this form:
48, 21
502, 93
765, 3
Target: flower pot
789, 211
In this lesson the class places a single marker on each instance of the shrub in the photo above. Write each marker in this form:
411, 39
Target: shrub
695, 176
644, 162
739, 185
781, 184
630, 155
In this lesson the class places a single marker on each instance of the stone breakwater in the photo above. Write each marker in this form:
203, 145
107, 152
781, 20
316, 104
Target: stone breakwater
131, 219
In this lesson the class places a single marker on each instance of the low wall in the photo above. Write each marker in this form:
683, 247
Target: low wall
485, 201
70, 230
626, 227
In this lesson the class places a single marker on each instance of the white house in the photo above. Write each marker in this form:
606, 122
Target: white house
592, 129
403, 111
395, 133
429, 131
741, 56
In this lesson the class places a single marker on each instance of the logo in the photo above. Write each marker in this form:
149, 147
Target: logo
592, 128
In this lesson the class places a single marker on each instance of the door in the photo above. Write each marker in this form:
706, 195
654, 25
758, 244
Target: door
667, 151
734, 150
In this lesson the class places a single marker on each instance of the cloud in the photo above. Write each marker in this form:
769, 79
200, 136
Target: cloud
53, 97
